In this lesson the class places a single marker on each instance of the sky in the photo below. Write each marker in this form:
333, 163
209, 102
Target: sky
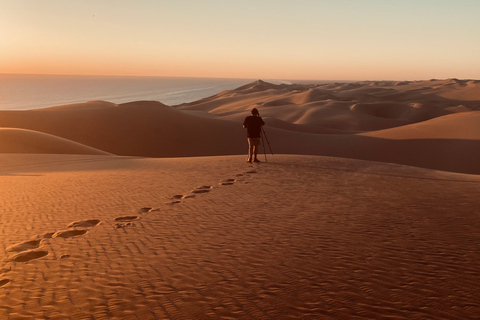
267, 39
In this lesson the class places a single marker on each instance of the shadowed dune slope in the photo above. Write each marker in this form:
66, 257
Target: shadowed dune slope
28, 141
450, 143
140, 128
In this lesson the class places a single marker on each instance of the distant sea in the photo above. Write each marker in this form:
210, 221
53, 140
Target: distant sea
24, 92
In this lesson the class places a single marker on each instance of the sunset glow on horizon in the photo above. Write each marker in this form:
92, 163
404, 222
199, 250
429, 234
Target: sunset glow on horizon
311, 39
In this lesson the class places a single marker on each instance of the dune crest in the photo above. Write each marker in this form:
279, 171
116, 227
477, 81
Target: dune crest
256, 86
97, 104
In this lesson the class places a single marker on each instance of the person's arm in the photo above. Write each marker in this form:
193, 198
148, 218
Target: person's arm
245, 123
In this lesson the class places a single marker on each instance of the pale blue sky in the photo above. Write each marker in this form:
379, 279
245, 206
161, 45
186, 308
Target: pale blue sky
275, 39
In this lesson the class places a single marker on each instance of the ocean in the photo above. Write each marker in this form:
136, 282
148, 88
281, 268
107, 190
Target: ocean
25, 92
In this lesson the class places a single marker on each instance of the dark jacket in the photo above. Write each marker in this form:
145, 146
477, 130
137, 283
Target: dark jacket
254, 126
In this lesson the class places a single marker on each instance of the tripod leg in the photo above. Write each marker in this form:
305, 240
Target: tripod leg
265, 134
264, 150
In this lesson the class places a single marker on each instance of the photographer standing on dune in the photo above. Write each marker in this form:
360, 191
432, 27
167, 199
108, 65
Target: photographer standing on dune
253, 124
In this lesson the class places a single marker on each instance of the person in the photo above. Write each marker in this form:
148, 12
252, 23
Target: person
253, 124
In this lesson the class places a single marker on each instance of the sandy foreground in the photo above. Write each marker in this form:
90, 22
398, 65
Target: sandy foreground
298, 237
369, 208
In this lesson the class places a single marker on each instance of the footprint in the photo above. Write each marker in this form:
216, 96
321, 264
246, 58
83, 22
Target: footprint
30, 255
127, 218
84, 224
24, 246
145, 210
202, 189
178, 196
252, 171
4, 282
227, 182
69, 233
65, 256
173, 202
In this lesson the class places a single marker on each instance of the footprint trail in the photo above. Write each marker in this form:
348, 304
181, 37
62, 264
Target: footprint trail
30, 250
33, 249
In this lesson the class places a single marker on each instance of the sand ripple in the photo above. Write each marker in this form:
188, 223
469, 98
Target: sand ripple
296, 238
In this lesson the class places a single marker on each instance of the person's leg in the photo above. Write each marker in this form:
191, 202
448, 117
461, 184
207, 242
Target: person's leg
250, 150
255, 149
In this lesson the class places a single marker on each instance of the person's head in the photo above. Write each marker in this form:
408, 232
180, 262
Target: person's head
255, 112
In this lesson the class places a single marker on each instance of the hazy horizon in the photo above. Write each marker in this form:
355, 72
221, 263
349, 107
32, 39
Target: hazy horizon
313, 40
226, 78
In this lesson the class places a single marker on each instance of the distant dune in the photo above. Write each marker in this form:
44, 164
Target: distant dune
409, 122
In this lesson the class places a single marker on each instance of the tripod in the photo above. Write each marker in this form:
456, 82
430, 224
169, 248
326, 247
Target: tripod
264, 134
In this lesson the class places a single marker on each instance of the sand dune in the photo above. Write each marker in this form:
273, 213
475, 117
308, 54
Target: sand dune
462, 125
408, 122
410, 101
138, 128
449, 143
28, 141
